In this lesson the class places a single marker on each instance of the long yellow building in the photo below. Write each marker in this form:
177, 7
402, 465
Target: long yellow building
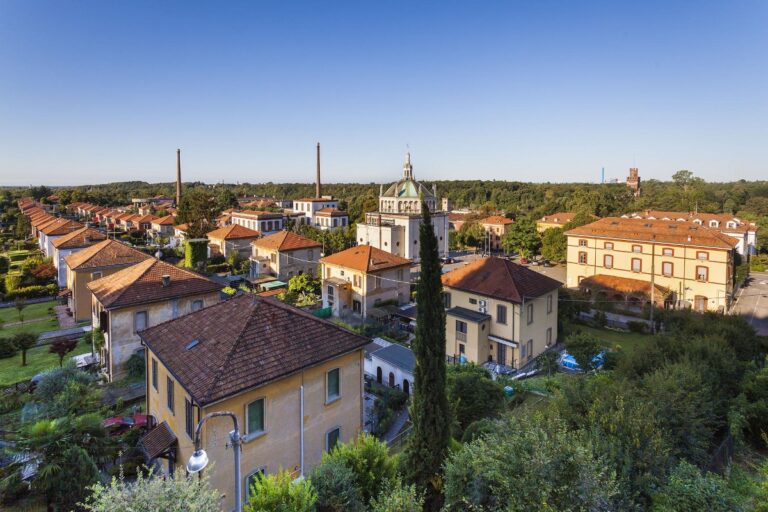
634, 261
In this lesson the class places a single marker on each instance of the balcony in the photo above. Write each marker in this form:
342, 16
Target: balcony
461, 336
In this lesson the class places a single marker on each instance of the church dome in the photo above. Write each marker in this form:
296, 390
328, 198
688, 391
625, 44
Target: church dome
407, 187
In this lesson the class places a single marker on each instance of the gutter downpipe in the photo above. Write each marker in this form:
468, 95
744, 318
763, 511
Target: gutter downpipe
301, 431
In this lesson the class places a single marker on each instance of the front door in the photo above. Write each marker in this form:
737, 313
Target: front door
700, 303
357, 307
501, 354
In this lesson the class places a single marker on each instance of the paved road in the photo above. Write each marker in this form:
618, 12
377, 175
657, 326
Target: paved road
555, 272
752, 302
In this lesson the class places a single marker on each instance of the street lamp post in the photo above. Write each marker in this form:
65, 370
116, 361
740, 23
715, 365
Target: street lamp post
199, 458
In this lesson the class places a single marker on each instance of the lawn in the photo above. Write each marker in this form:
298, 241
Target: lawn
39, 310
35, 327
38, 359
627, 341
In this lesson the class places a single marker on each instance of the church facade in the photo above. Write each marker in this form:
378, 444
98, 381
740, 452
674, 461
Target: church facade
395, 227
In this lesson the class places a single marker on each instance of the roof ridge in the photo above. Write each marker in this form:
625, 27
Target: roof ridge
131, 267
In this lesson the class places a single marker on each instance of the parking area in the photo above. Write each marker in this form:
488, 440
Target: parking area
556, 271
752, 302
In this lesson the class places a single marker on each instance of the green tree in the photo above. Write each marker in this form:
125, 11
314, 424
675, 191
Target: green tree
180, 493
61, 348
280, 493
370, 463
471, 234
397, 497
225, 198
547, 362
23, 227
199, 209
336, 486
528, 464
428, 444
554, 244
473, 396
24, 341
688, 489
522, 238
20, 304
584, 348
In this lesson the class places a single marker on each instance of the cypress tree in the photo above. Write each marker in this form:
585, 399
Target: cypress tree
428, 444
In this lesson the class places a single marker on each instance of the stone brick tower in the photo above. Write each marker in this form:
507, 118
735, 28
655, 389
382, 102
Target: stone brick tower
633, 181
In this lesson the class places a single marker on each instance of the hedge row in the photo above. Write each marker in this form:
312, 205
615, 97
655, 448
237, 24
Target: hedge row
32, 292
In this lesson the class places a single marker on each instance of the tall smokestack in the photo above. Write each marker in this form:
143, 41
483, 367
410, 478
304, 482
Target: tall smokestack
178, 178
317, 179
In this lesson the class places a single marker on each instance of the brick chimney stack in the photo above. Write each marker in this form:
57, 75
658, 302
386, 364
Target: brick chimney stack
317, 179
178, 177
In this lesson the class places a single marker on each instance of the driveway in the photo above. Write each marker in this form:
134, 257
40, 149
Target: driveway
752, 302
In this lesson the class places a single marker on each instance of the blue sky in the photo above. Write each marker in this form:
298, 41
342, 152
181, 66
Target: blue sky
100, 91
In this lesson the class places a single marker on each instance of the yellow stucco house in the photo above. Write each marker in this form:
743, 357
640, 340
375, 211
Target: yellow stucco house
633, 261
499, 312
142, 295
284, 254
99, 260
294, 382
495, 228
360, 278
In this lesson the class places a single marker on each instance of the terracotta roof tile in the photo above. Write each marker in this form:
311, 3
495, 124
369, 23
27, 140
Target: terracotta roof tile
142, 283
286, 241
158, 440
558, 218
61, 227
496, 219
621, 284
501, 279
109, 253
83, 237
164, 221
243, 343
366, 258
233, 232
333, 212
661, 231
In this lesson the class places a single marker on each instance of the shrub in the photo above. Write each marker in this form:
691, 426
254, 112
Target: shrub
8, 348
279, 493
336, 487
473, 395
32, 292
219, 267
397, 497
369, 460
12, 282
689, 489
637, 326
136, 365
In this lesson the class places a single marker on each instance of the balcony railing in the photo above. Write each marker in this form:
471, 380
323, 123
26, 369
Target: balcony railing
461, 336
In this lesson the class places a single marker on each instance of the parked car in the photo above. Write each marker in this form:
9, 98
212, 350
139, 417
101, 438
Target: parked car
546, 263
117, 425
447, 260
536, 262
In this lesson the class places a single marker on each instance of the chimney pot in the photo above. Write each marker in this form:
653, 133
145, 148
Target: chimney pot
166, 280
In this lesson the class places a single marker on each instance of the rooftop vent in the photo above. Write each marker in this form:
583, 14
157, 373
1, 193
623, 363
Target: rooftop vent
166, 280
192, 344
648, 225
672, 226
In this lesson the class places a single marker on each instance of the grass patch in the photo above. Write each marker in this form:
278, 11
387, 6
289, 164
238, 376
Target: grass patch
35, 327
38, 360
32, 311
627, 341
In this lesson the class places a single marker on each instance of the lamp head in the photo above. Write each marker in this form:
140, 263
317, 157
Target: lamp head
197, 461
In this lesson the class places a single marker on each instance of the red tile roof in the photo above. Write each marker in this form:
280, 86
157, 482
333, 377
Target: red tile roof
623, 285
661, 231
558, 218
244, 343
233, 232
164, 221
496, 219
142, 283
366, 258
286, 241
109, 253
83, 237
333, 212
61, 227
500, 279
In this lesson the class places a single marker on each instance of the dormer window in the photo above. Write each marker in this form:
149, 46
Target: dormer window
713, 224
731, 224
698, 221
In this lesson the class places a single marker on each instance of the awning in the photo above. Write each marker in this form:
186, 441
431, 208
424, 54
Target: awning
158, 440
273, 284
508, 343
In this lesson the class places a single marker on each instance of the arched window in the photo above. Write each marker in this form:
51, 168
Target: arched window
378, 374
391, 379
406, 387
